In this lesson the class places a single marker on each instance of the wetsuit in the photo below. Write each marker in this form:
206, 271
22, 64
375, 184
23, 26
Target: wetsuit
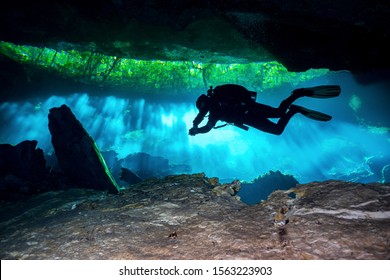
235, 104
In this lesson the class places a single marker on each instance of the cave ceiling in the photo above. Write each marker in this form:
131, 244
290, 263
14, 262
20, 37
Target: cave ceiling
350, 35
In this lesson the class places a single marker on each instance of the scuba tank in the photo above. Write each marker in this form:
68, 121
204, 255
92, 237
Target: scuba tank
233, 94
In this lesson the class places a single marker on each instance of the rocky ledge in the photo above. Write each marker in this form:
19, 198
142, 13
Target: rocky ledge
195, 217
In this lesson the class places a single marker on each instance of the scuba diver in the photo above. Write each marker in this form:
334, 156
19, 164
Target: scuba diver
236, 105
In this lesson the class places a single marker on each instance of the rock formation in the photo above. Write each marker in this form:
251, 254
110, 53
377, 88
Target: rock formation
300, 35
147, 166
261, 187
192, 217
129, 177
77, 153
22, 169
24, 160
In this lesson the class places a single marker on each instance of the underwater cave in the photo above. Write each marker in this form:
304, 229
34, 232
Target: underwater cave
131, 73
131, 106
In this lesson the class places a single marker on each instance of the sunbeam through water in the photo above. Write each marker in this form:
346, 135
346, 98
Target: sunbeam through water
344, 148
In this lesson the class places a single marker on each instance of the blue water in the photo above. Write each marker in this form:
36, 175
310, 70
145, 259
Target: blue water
343, 148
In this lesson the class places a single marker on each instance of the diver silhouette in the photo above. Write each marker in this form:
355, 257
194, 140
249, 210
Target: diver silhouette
236, 105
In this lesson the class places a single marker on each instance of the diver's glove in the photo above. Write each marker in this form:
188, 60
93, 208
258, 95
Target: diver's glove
193, 131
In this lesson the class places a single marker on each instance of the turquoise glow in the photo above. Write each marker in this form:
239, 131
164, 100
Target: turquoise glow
309, 150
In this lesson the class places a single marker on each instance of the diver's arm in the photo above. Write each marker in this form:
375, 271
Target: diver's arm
209, 125
204, 129
199, 118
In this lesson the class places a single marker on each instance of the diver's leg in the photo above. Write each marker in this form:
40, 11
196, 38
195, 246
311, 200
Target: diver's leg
283, 121
285, 104
266, 125
265, 111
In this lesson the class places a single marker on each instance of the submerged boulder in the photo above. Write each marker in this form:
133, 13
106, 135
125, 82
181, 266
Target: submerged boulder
148, 166
77, 153
23, 160
22, 170
264, 185
129, 177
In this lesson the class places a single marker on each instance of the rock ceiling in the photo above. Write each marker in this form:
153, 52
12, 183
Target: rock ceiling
340, 35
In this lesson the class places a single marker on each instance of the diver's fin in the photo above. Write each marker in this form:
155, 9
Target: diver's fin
315, 115
327, 91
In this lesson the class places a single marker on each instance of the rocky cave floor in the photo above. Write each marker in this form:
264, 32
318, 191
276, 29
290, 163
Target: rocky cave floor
195, 217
